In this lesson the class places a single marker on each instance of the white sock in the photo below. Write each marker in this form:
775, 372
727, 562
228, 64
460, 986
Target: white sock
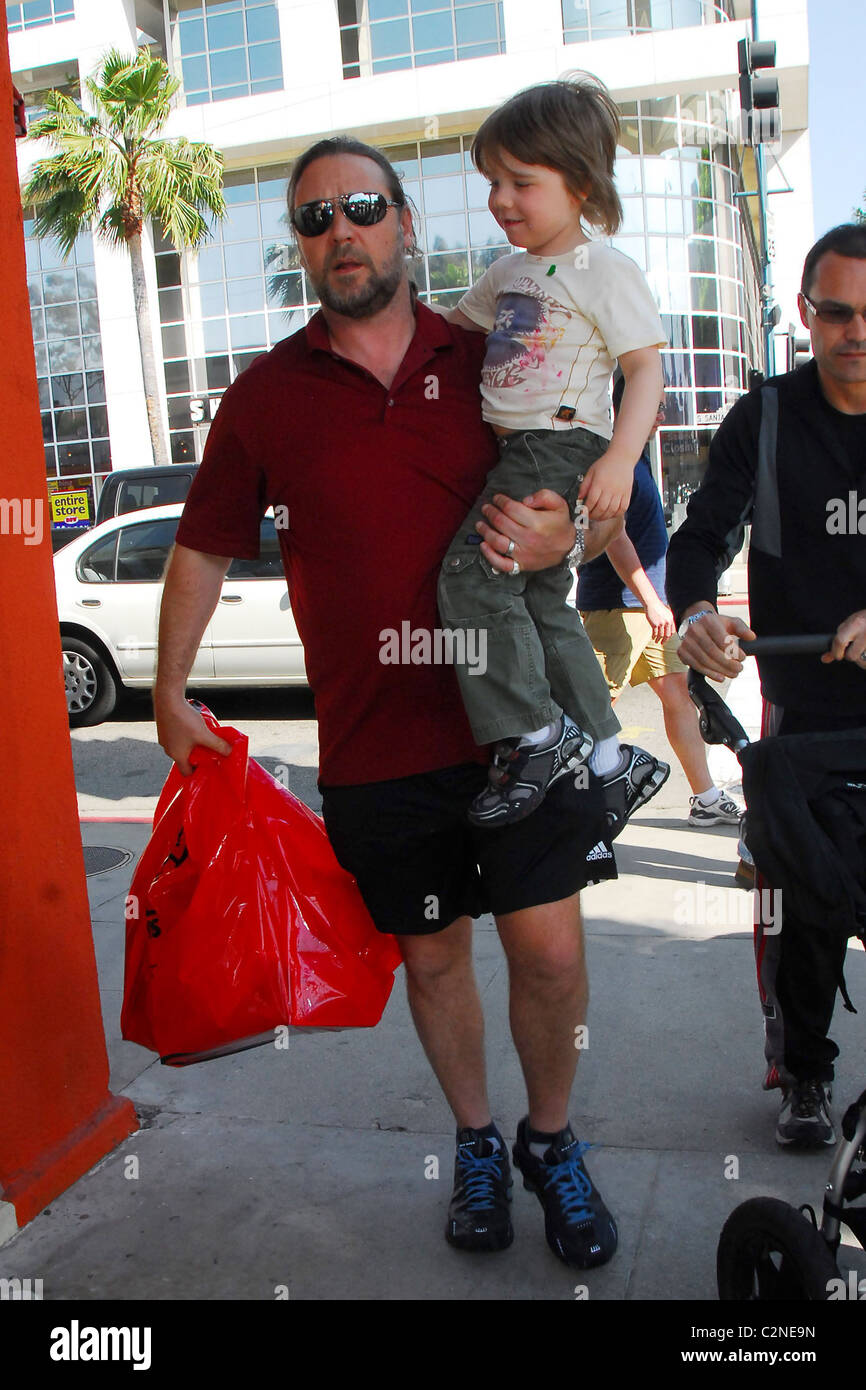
604, 756
709, 797
538, 735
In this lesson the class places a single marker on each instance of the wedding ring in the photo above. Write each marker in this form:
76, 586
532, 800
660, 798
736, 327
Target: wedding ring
509, 549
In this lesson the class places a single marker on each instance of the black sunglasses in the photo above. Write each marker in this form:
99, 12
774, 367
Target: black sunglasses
830, 311
364, 209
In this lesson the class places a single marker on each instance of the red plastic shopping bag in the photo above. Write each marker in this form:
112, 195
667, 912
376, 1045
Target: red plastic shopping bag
240, 919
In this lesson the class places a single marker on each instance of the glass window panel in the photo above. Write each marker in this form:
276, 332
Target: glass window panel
733, 367
275, 221
37, 319
676, 328
671, 292
708, 371
443, 194
632, 216
281, 257
243, 259
282, 325
728, 261
93, 353
267, 84
197, 98
286, 290
405, 161
482, 260
95, 382
704, 293
476, 24
265, 61
679, 410
211, 299
215, 335
174, 341
662, 176
70, 424
229, 68
440, 157
74, 459
477, 189
249, 331
89, 317
41, 353
101, 451
62, 322
225, 31
262, 24
390, 38
665, 215
391, 64
677, 369
34, 290
36, 9
389, 9
86, 283
44, 388
705, 331
177, 377
702, 255
730, 334
484, 230
170, 306
218, 373
667, 253
47, 428
433, 31
448, 272
143, 550
178, 412
729, 296
241, 224
67, 390
659, 125
167, 270
628, 176
50, 254
98, 417
210, 264
60, 287
191, 34
195, 74
273, 182
244, 296
443, 233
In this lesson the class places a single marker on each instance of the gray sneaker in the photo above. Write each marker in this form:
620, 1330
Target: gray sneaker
724, 811
521, 775
804, 1119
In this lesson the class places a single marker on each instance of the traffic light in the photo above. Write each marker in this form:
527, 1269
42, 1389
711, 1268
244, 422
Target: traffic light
760, 117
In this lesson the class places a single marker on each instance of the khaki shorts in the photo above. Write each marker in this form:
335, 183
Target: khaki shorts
623, 642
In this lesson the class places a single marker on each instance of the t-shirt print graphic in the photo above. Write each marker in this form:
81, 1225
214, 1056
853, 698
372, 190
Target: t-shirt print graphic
528, 324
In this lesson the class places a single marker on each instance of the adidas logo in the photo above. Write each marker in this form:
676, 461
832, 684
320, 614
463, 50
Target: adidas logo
599, 852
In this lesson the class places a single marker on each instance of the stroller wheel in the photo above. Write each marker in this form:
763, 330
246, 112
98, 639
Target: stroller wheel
770, 1253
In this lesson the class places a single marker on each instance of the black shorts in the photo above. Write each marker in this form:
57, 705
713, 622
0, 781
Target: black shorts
420, 864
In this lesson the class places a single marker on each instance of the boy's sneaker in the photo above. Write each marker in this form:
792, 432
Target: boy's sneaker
724, 811
804, 1118
579, 1228
479, 1216
632, 783
521, 774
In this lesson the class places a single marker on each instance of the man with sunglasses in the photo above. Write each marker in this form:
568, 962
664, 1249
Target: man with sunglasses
365, 429
785, 458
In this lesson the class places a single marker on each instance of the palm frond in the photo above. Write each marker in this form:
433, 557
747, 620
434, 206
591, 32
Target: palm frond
181, 182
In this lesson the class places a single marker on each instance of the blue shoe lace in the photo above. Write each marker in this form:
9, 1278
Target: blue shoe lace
571, 1183
479, 1177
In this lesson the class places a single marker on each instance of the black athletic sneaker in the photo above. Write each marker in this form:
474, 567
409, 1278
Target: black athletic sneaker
804, 1118
631, 784
521, 775
578, 1225
479, 1216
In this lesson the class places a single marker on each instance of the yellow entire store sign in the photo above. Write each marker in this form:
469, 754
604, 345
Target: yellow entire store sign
69, 508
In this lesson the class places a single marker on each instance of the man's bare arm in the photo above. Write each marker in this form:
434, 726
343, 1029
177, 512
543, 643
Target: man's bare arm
190, 593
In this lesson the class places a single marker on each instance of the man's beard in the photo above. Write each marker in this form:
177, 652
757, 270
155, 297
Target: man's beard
377, 292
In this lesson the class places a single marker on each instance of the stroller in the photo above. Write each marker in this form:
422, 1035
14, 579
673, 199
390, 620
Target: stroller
769, 1251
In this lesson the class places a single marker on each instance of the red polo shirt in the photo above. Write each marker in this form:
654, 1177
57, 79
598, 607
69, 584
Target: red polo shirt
376, 482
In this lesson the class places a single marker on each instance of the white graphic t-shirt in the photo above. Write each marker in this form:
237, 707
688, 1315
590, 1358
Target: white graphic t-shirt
556, 325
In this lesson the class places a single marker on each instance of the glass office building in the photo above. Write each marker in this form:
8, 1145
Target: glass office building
680, 173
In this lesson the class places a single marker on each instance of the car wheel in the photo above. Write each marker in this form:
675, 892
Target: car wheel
91, 686
770, 1252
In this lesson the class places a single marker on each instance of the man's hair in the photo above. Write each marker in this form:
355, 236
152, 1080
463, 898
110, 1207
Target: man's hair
848, 239
344, 144
572, 126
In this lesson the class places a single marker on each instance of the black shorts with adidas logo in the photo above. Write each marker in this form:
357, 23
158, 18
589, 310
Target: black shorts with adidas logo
420, 864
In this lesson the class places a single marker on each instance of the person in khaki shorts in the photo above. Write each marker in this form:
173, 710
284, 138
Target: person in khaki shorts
621, 600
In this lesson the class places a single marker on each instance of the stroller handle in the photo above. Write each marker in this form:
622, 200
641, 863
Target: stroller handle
798, 645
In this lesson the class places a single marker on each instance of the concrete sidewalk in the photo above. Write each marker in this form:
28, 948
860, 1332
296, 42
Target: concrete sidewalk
310, 1168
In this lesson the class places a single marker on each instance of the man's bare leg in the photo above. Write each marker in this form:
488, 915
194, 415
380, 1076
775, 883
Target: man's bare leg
549, 993
446, 1009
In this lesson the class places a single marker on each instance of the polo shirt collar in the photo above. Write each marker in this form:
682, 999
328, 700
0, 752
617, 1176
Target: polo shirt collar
431, 332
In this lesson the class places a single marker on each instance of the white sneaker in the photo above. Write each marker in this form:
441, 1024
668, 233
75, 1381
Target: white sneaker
725, 811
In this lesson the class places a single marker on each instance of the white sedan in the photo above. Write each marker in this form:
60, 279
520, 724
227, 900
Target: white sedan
109, 586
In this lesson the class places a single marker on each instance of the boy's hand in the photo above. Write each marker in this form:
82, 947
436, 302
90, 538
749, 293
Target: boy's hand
606, 490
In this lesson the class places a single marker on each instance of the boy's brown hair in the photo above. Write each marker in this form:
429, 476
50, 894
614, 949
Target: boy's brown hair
571, 125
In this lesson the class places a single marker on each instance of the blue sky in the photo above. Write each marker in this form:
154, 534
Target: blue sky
837, 110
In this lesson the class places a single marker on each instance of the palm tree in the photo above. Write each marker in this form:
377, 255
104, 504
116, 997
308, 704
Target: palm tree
112, 171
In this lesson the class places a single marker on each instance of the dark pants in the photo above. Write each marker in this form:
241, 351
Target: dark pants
799, 969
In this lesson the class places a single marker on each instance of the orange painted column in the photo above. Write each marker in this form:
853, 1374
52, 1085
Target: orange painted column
57, 1116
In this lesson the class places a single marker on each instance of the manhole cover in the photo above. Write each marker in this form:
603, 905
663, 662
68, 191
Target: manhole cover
99, 859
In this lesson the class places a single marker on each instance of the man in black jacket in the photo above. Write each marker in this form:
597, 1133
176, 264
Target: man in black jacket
791, 459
